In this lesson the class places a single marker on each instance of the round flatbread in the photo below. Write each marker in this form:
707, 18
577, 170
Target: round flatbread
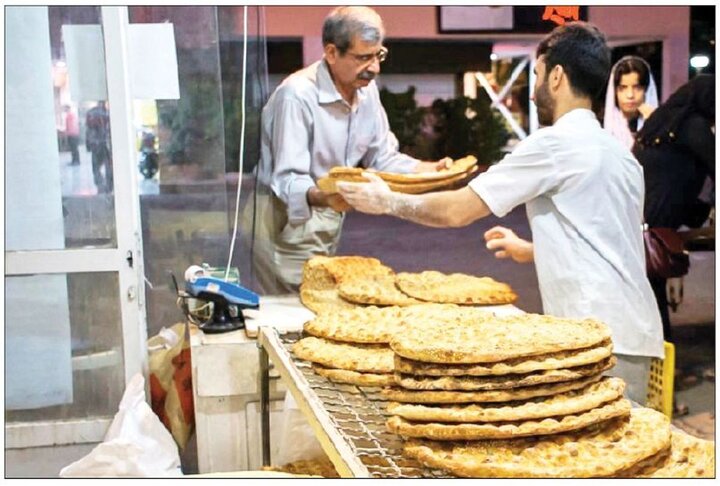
552, 361
354, 377
596, 451
375, 291
323, 300
373, 358
458, 167
326, 272
567, 403
688, 457
509, 430
370, 325
456, 288
457, 339
513, 394
501, 382
415, 183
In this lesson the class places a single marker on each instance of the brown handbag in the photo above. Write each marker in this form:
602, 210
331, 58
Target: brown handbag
665, 254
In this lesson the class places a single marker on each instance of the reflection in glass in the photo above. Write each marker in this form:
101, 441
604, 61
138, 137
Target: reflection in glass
185, 219
47, 151
63, 347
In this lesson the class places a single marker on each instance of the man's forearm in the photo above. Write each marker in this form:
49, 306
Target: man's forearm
447, 209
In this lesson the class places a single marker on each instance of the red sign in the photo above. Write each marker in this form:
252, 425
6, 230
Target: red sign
561, 14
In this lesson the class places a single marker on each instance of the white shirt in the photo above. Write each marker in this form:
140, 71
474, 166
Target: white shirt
308, 128
584, 194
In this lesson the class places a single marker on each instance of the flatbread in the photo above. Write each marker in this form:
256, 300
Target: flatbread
412, 184
456, 288
525, 393
321, 467
323, 272
509, 430
373, 358
315, 274
687, 457
553, 361
596, 451
376, 291
353, 267
323, 300
502, 382
354, 377
371, 324
457, 339
571, 402
458, 166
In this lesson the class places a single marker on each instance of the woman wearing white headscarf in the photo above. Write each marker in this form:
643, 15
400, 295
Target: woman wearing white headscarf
631, 98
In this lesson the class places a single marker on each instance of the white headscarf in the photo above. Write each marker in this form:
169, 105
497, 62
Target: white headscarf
614, 120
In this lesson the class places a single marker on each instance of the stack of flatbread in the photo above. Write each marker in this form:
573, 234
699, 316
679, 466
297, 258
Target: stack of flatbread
520, 396
332, 283
460, 171
351, 345
322, 275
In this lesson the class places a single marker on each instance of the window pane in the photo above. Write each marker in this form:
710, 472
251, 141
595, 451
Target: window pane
185, 206
63, 347
49, 96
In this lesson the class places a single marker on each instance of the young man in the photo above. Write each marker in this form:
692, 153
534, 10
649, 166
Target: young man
326, 115
583, 193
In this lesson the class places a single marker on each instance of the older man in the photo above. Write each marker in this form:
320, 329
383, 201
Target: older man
326, 115
583, 193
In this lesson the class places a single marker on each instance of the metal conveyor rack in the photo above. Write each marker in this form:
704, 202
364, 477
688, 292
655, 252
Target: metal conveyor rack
349, 421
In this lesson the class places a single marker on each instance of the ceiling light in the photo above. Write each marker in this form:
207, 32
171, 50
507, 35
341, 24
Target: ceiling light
699, 62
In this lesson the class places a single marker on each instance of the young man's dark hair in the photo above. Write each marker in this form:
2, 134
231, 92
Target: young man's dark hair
581, 49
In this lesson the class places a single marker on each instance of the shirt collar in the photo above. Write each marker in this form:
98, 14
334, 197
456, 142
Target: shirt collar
576, 115
327, 92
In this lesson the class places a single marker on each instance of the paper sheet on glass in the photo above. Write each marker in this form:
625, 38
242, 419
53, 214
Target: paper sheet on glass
153, 70
38, 357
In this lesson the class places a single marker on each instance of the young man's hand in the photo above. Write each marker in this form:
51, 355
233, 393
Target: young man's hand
374, 197
508, 245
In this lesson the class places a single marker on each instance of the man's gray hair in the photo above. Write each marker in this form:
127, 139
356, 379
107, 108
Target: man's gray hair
344, 23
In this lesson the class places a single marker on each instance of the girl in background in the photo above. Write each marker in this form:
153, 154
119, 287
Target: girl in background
630, 100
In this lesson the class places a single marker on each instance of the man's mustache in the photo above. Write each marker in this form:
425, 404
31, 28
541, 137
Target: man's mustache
367, 75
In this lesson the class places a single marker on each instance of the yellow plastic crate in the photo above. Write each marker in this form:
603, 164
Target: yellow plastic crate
660, 386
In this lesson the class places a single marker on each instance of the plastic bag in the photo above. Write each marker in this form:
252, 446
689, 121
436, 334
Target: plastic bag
135, 445
171, 393
298, 441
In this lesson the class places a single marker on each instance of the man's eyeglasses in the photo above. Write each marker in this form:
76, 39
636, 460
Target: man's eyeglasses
381, 55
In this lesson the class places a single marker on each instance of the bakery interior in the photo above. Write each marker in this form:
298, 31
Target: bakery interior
111, 260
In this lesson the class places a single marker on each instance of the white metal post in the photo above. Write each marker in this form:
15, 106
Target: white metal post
498, 105
127, 203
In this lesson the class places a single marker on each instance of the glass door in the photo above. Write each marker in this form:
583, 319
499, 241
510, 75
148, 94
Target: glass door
75, 327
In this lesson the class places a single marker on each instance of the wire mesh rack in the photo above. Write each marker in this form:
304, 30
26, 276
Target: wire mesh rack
358, 414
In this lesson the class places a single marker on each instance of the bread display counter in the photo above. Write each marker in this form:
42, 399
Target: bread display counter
429, 375
348, 420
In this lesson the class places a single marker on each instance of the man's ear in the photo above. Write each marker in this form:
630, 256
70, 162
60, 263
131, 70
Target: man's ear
331, 53
556, 77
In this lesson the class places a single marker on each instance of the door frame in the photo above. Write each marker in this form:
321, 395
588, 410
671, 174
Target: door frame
126, 260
